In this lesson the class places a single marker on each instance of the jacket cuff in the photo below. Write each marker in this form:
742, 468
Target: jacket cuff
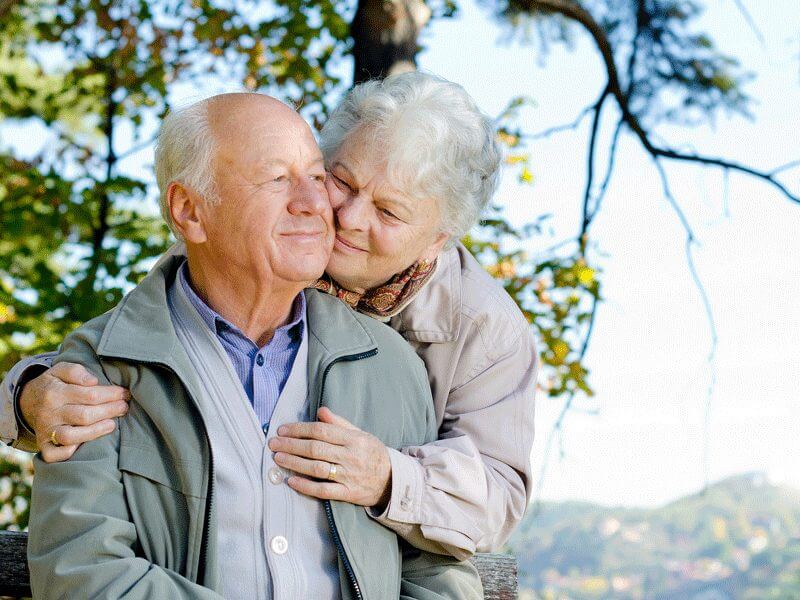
18, 432
408, 483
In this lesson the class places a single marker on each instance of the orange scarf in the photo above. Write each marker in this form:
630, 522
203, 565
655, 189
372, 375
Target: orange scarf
384, 301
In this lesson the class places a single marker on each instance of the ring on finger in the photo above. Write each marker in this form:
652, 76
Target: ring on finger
332, 472
54, 439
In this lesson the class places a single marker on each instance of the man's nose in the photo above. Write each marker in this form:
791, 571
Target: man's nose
309, 198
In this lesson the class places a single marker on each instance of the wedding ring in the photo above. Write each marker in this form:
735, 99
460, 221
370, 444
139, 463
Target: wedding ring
332, 472
53, 438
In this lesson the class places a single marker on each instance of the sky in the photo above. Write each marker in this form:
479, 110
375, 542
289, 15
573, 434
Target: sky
648, 355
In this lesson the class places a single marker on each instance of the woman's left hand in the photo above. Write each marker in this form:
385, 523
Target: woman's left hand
362, 473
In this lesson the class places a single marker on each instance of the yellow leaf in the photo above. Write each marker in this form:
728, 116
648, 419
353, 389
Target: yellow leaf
586, 276
560, 351
526, 176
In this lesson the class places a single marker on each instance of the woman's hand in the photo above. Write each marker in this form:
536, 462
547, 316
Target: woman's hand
363, 473
66, 407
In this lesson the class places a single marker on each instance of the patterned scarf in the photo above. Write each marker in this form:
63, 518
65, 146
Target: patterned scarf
384, 301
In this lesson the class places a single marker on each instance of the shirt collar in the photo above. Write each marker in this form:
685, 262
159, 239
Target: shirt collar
217, 323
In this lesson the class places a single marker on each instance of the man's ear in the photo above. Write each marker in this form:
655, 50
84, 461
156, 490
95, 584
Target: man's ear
186, 208
432, 251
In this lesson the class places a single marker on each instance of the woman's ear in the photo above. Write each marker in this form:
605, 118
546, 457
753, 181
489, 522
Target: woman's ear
431, 252
187, 210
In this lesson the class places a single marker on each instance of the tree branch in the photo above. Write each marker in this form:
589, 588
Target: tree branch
750, 22
558, 426
612, 154
559, 128
577, 13
587, 194
6, 6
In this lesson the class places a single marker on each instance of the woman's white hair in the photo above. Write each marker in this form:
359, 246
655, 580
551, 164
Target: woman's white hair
185, 154
438, 143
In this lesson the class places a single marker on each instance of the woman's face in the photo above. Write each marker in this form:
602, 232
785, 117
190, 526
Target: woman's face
380, 231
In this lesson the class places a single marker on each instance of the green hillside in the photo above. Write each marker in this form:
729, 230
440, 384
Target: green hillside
738, 540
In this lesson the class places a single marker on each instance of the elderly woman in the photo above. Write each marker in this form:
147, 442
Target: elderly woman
411, 163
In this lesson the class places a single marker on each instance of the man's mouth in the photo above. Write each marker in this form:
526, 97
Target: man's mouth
343, 244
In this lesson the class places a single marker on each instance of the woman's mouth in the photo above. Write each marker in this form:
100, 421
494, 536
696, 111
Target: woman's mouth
342, 244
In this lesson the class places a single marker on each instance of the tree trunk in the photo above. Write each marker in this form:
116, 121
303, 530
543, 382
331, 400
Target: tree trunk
385, 34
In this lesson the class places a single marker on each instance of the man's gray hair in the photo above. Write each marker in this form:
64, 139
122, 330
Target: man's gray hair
438, 143
185, 154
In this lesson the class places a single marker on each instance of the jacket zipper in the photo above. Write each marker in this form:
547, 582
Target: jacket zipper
337, 540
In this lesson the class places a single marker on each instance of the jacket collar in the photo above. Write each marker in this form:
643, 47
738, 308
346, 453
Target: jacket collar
141, 327
435, 314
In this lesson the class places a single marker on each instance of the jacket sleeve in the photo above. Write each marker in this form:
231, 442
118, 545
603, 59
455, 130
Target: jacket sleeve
82, 540
12, 431
466, 491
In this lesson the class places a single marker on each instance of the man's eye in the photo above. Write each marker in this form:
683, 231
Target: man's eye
279, 178
318, 177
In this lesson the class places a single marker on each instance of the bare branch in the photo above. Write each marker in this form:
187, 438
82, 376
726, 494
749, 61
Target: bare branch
558, 426
587, 193
559, 128
690, 242
750, 21
577, 13
786, 167
612, 154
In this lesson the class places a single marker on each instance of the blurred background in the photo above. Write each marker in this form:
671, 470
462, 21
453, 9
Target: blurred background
648, 224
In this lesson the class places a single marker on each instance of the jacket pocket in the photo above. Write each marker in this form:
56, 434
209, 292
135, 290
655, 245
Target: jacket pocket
151, 463
164, 507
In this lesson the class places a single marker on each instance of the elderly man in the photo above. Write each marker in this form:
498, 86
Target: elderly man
183, 498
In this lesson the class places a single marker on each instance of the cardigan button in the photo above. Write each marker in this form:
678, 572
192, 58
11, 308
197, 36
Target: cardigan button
279, 544
276, 475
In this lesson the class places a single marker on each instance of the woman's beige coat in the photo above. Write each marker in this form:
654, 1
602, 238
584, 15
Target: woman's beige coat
466, 491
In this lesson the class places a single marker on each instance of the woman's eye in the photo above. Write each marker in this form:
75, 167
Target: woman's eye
341, 183
388, 213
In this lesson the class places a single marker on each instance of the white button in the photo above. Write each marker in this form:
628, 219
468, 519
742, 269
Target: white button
279, 544
276, 475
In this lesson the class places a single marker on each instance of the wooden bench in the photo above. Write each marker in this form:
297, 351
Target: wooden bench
498, 571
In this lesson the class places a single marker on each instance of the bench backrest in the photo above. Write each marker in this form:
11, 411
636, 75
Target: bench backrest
498, 571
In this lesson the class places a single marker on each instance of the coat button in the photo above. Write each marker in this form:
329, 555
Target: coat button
276, 475
279, 544
260, 360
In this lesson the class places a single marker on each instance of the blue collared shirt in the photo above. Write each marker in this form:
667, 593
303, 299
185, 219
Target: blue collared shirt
262, 371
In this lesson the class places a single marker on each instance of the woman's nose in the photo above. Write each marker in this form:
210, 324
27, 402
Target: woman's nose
350, 213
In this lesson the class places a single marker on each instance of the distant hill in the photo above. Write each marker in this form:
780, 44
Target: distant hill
738, 540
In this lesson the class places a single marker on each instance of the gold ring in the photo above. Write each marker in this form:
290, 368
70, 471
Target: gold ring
53, 439
332, 472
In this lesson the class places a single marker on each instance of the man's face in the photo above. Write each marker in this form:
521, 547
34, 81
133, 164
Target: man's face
274, 218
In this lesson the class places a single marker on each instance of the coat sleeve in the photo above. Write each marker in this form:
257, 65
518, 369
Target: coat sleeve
81, 541
466, 491
11, 430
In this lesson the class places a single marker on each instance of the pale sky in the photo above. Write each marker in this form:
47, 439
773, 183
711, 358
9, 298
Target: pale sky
648, 354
